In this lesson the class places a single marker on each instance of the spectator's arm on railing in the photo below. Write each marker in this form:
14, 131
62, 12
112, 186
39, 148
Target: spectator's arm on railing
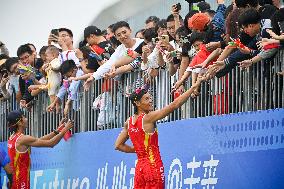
175, 13
180, 82
183, 65
59, 97
172, 67
119, 71
275, 36
154, 116
83, 77
67, 107
36, 89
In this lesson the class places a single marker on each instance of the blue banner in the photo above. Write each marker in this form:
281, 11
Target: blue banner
236, 151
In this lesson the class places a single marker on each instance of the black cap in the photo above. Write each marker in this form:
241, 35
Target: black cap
91, 30
13, 117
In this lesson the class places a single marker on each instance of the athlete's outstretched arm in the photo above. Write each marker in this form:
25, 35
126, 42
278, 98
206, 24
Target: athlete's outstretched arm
121, 139
37, 142
154, 116
52, 134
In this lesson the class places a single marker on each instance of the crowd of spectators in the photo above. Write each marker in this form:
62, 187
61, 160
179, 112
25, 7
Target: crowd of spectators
206, 43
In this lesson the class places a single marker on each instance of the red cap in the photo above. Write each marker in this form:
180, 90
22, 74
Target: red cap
198, 21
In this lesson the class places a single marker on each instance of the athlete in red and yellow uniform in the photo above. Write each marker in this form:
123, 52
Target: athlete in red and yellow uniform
141, 129
20, 162
19, 146
149, 168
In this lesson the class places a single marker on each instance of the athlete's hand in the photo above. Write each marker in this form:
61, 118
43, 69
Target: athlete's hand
62, 121
69, 124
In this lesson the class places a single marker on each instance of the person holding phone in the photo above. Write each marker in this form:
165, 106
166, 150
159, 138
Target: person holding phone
19, 146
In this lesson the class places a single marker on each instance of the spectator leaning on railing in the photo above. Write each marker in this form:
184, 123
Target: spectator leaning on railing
27, 78
251, 19
122, 32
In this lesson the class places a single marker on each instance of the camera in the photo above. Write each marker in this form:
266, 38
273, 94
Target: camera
178, 6
164, 38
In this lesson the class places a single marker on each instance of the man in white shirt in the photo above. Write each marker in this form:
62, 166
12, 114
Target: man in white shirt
122, 32
65, 41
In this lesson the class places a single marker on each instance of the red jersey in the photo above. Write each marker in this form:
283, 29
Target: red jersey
149, 171
201, 56
20, 162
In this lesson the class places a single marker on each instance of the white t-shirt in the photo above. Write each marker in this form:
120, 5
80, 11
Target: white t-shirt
69, 55
119, 53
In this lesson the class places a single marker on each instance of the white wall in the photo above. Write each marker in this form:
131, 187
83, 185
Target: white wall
23, 21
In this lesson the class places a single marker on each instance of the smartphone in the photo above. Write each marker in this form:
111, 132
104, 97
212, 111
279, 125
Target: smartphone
155, 40
178, 6
165, 38
55, 32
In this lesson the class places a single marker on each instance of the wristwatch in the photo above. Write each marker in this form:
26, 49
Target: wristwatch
56, 132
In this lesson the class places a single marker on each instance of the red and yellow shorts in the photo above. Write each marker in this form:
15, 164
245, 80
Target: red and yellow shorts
149, 176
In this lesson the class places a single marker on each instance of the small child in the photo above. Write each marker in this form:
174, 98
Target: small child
53, 75
53, 72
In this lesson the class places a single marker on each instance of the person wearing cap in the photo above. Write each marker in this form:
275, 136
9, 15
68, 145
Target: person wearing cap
98, 45
19, 146
4, 162
119, 58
